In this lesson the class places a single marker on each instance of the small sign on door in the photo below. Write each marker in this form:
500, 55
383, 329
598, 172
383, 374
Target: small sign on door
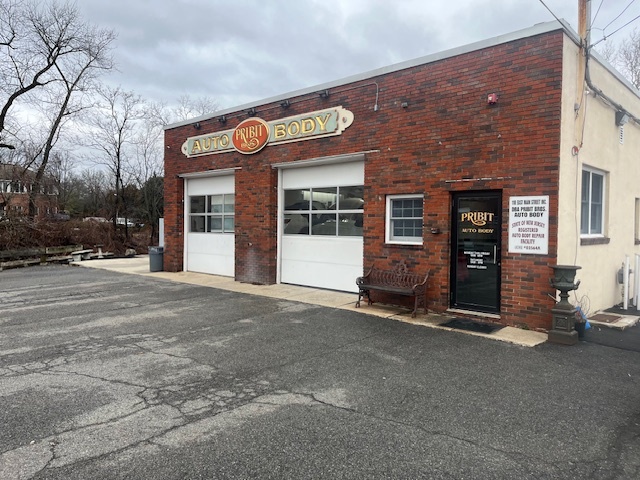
529, 225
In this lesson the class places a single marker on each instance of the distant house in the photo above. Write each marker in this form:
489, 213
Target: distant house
15, 186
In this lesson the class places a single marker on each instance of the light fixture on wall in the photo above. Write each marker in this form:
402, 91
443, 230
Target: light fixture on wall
324, 94
197, 125
252, 112
285, 104
222, 119
622, 117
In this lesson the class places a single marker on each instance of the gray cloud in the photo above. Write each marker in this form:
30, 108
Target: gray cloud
237, 51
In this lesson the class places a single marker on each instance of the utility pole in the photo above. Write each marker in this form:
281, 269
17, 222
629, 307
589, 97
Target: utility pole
584, 22
584, 31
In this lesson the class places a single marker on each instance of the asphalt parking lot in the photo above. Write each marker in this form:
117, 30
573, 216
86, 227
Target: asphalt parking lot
105, 375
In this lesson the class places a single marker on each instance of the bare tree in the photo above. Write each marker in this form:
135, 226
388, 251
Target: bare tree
49, 61
608, 51
147, 168
77, 74
66, 182
112, 132
35, 38
625, 57
188, 107
93, 193
629, 57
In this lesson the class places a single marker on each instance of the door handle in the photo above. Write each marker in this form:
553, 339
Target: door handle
495, 254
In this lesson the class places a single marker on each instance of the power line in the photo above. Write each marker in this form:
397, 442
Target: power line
597, 11
615, 31
619, 15
550, 11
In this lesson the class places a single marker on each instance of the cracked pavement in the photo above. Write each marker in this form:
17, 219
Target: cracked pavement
106, 375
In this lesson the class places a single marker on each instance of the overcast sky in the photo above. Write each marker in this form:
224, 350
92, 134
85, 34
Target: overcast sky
239, 51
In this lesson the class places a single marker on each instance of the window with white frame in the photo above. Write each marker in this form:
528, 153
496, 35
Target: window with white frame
329, 211
592, 205
404, 219
212, 213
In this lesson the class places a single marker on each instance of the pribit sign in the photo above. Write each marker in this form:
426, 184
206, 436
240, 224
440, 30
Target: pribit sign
253, 134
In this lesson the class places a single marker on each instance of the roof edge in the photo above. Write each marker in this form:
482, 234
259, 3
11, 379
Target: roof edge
537, 29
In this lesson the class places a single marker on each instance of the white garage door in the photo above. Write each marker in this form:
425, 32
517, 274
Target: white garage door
209, 226
322, 212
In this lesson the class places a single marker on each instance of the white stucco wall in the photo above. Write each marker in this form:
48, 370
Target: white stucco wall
600, 149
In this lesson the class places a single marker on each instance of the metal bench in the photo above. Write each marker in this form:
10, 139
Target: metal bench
396, 282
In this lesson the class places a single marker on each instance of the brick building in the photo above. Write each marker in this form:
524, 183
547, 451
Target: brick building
15, 185
477, 164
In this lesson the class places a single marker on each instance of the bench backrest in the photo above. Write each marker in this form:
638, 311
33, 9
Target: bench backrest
398, 277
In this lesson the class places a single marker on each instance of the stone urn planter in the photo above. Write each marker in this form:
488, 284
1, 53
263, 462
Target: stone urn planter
563, 324
563, 280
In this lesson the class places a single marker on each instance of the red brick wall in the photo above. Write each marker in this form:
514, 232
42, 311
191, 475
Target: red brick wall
18, 204
446, 132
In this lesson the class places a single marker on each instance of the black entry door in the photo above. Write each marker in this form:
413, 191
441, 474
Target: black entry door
475, 259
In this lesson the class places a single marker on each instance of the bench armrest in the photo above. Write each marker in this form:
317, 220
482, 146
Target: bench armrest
363, 279
423, 283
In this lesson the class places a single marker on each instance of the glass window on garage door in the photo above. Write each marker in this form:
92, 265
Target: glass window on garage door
328, 211
212, 213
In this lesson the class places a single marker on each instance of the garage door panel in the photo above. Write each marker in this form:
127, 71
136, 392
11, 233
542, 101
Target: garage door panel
211, 185
211, 264
324, 176
212, 253
320, 260
332, 263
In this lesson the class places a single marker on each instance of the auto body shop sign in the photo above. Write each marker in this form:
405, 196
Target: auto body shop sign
529, 225
253, 134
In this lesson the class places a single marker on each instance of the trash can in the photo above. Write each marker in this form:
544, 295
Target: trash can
156, 257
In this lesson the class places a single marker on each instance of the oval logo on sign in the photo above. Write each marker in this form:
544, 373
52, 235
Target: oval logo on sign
251, 135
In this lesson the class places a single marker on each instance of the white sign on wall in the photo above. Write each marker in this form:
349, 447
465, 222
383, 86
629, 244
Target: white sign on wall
529, 225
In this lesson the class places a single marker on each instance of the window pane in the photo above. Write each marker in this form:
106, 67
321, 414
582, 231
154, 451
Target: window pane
597, 189
297, 224
215, 203
297, 199
229, 203
196, 223
215, 224
351, 198
597, 185
197, 204
407, 208
407, 228
584, 218
324, 225
350, 225
586, 179
324, 198
596, 219
584, 205
229, 224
